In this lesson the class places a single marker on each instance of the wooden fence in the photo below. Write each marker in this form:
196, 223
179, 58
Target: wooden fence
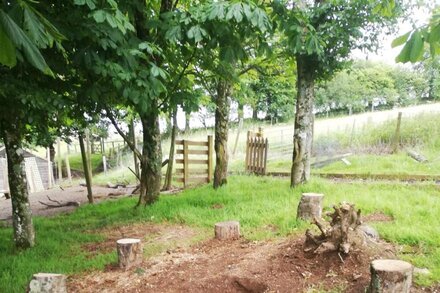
256, 153
192, 154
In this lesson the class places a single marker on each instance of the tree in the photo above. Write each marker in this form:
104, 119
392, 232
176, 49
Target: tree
320, 36
230, 34
29, 103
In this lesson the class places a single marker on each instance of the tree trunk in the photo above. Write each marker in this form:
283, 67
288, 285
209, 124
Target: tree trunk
187, 118
24, 234
240, 111
87, 174
221, 133
151, 163
169, 174
303, 136
132, 136
254, 113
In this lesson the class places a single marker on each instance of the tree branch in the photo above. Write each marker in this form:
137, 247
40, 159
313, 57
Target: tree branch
130, 144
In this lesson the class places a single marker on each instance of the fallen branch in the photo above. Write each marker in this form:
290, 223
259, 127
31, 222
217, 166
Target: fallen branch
416, 156
59, 204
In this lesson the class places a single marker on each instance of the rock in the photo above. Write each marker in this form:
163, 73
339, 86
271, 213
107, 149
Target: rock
48, 283
130, 252
369, 231
390, 276
310, 206
227, 230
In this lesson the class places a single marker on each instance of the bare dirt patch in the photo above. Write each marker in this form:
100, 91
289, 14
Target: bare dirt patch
377, 217
74, 193
237, 266
156, 237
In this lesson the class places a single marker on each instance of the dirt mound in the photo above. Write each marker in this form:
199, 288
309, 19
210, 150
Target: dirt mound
237, 266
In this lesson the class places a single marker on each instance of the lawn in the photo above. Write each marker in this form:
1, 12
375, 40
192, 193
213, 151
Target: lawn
259, 203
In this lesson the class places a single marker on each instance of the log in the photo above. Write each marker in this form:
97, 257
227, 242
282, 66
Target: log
130, 252
310, 206
227, 230
389, 276
48, 283
416, 156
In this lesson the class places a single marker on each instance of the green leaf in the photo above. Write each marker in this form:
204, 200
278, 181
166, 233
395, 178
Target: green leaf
417, 47
99, 16
22, 41
7, 50
400, 40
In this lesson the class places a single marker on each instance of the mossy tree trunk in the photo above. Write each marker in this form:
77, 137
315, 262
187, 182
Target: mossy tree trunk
151, 161
221, 133
304, 117
24, 234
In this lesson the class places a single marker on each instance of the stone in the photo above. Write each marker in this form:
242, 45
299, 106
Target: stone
310, 206
390, 276
48, 283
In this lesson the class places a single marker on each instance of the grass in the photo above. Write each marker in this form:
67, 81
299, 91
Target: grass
75, 161
398, 164
259, 203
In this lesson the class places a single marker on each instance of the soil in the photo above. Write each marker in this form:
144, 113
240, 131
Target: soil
228, 266
75, 193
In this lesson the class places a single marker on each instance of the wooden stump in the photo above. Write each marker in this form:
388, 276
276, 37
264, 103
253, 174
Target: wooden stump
310, 206
130, 252
227, 230
390, 276
48, 283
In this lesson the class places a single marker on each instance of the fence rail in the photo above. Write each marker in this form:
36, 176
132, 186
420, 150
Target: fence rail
194, 153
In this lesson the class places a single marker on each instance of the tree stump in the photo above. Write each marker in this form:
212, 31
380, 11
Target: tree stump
340, 234
130, 252
227, 230
310, 206
390, 276
48, 283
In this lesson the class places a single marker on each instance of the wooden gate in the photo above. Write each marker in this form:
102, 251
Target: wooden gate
256, 153
194, 153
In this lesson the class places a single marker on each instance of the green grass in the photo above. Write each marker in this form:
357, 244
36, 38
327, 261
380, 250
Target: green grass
75, 161
259, 203
398, 164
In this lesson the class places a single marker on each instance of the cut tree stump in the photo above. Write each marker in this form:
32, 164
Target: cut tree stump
130, 252
227, 230
48, 283
310, 206
390, 276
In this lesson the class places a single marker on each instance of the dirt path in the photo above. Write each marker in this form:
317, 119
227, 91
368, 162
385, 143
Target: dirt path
76, 193
234, 266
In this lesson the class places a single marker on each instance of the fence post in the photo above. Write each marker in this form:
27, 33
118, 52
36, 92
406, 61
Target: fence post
60, 161
240, 125
185, 163
210, 152
397, 134
69, 173
265, 156
246, 159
